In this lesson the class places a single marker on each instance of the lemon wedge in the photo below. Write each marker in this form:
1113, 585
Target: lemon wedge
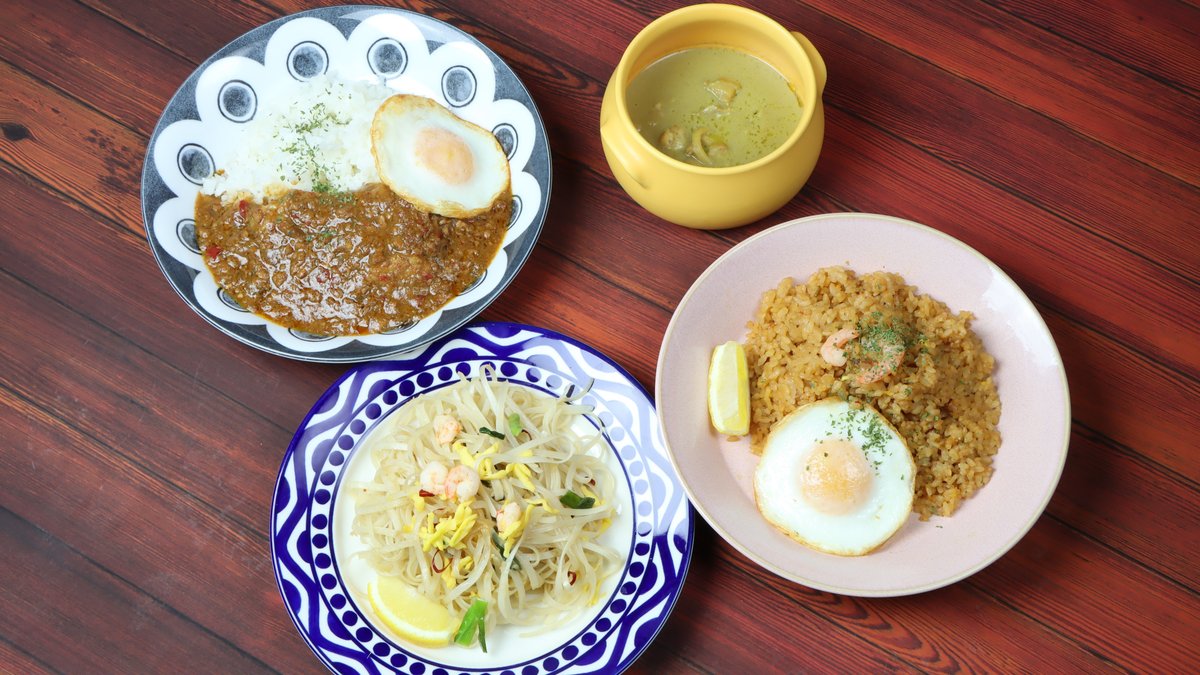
409, 614
729, 390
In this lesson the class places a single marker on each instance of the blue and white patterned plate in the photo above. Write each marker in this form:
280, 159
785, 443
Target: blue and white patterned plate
403, 50
323, 586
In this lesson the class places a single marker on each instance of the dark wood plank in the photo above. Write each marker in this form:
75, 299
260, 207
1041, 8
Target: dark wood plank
81, 618
1118, 498
42, 41
106, 175
1052, 565
135, 418
556, 293
1144, 388
1104, 193
1099, 599
21, 661
176, 551
1037, 68
1158, 41
912, 628
222, 469
139, 304
713, 602
203, 27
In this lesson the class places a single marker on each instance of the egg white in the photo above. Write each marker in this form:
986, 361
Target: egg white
858, 526
437, 161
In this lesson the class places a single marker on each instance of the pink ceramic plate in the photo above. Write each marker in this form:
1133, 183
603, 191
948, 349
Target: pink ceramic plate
1034, 423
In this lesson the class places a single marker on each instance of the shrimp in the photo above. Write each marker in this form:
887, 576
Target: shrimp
433, 477
832, 350
508, 516
462, 482
445, 428
891, 354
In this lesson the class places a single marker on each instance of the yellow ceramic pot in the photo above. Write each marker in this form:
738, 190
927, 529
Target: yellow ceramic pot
715, 198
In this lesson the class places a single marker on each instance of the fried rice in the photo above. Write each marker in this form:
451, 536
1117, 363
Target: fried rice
932, 377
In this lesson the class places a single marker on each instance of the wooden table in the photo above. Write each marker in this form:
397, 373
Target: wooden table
140, 445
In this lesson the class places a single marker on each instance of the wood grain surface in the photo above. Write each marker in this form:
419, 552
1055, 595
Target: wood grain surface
141, 446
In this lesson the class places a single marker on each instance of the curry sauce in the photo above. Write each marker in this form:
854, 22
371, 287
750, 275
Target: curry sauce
344, 263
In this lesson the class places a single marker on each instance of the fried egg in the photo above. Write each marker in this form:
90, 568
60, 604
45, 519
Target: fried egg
437, 161
835, 477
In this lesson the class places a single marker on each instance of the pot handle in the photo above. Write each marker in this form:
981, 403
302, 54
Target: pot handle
818, 63
614, 141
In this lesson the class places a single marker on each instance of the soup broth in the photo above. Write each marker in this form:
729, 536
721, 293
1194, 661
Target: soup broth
713, 106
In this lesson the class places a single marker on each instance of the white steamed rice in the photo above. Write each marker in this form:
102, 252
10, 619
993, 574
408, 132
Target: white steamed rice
314, 134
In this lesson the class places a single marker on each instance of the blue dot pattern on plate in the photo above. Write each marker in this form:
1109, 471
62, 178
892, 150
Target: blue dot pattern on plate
387, 57
307, 60
458, 86
237, 101
320, 603
506, 135
475, 284
308, 337
401, 328
195, 163
229, 301
516, 211
186, 231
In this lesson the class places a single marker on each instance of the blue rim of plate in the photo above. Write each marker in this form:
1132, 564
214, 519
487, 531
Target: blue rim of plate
252, 45
306, 571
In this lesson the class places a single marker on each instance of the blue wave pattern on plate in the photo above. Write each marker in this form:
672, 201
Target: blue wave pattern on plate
305, 496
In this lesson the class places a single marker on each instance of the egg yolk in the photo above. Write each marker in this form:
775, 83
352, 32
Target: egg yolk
835, 479
445, 154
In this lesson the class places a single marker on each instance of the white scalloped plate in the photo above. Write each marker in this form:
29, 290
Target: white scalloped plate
399, 49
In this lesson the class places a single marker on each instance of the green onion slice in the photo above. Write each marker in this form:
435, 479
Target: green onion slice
491, 432
516, 564
473, 620
574, 501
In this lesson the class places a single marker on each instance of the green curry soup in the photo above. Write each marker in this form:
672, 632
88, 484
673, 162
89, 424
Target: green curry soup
713, 106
